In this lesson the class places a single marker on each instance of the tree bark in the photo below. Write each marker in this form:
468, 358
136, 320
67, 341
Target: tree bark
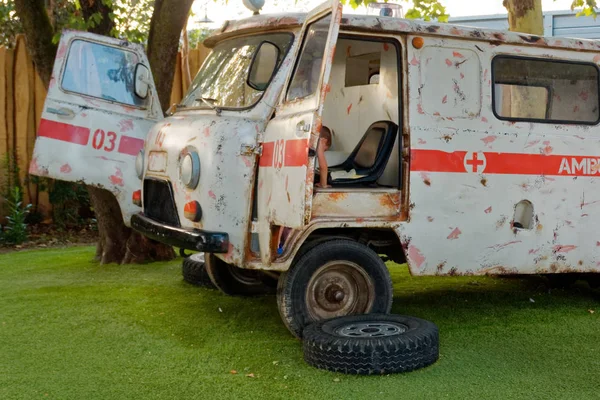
525, 16
38, 32
166, 24
117, 243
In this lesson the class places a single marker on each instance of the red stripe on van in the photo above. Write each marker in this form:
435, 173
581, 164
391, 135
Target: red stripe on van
296, 153
504, 163
290, 153
64, 132
130, 145
266, 158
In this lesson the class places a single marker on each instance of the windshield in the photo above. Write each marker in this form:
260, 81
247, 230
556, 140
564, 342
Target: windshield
222, 80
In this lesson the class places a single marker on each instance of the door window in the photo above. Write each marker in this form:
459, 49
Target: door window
101, 71
308, 70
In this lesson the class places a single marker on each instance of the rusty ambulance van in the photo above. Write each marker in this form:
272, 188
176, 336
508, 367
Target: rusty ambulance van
454, 149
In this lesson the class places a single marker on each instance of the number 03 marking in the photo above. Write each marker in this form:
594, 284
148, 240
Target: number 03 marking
100, 137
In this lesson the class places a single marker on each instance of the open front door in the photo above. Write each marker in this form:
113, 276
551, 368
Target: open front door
287, 165
101, 103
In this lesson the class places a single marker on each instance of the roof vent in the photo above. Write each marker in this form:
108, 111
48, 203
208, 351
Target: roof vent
385, 10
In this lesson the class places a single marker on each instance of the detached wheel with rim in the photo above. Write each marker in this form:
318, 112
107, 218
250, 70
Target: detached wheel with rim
333, 279
235, 281
194, 271
371, 344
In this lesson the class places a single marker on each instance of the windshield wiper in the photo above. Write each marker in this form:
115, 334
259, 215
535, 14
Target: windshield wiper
207, 101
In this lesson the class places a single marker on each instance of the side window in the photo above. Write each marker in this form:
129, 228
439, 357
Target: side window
101, 71
539, 90
308, 69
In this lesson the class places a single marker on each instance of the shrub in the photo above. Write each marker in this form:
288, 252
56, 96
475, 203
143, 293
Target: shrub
15, 231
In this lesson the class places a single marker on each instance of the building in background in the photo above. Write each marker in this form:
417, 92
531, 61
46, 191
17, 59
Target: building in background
556, 23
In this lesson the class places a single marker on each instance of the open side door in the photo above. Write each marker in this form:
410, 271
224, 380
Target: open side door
101, 103
287, 164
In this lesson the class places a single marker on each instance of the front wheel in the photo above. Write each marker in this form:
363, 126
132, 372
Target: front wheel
333, 279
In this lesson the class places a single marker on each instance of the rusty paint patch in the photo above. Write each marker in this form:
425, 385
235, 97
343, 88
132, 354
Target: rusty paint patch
389, 201
445, 99
337, 196
501, 246
420, 109
448, 62
564, 248
117, 178
65, 169
125, 125
415, 256
483, 181
454, 234
349, 108
440, 267
430, 219
488, 139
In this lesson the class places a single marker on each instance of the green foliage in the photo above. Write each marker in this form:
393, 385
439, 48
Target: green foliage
197, 36
422, 9
67, 199
15, 231
588, 7
10, 25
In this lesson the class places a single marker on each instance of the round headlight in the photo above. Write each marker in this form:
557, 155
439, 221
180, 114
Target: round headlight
139, 164
190, 170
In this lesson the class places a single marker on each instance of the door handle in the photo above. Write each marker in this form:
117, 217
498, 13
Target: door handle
303, 127
63, 112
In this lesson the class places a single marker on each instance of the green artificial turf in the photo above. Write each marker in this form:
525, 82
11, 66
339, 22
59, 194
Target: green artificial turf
71, 329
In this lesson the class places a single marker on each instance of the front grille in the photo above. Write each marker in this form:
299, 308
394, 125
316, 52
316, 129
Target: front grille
158, 202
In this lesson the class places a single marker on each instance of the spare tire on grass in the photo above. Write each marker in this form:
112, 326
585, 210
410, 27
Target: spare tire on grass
371, 344
194, 271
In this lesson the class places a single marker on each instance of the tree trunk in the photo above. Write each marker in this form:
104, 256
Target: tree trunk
117, 243
525, 16
38, 32
167, 22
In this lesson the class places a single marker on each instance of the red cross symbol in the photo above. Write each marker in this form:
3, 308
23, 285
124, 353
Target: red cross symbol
473, 162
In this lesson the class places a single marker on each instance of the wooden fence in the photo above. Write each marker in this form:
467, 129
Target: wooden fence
22, 96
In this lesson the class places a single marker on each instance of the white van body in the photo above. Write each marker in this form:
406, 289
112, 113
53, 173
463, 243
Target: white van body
477, 178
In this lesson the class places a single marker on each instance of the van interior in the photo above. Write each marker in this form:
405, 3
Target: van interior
362, 113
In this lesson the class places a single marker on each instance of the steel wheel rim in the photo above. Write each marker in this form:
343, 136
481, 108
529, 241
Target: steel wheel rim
372, 329
339, 288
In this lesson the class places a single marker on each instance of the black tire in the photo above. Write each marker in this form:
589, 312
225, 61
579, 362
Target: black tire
194, 271
234, 281
340, 345
300, 305
593, 279
562, 280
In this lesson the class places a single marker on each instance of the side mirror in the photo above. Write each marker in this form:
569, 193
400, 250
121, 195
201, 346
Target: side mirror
142, 79
263, 66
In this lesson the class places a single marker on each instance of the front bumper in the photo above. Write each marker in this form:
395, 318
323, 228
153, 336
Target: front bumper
190, 239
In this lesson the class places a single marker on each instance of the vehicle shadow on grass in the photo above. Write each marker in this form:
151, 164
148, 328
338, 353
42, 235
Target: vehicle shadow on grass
446, 301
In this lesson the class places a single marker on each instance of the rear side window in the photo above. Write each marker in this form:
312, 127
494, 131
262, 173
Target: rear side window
537, 90
101, 71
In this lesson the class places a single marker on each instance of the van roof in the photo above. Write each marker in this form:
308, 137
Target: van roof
376, 24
